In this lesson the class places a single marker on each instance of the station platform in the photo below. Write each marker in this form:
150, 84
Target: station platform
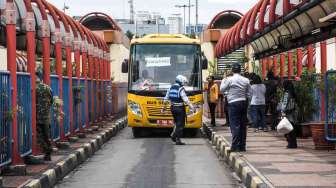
273, 163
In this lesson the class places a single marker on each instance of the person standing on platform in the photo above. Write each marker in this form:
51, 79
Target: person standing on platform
212, 94
258, 115
44, 101
238, 92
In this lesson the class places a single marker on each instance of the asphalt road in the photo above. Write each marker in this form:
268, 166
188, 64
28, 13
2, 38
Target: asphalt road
151, 162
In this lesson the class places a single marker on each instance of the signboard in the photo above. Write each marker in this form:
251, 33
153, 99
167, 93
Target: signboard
157, 61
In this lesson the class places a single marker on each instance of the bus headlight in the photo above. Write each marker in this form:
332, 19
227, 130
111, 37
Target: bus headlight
135, 108
198, 107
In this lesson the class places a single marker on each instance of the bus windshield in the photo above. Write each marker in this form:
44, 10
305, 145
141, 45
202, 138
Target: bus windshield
155, 66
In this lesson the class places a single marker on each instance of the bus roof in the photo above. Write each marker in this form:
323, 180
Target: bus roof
164, 39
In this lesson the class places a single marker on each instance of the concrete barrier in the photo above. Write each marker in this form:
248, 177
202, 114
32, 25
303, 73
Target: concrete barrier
50, 177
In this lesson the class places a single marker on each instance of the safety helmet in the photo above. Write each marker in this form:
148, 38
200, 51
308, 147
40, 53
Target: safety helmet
236, 68
180, 79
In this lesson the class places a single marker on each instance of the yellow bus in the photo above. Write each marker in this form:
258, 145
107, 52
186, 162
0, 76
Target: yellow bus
155, 61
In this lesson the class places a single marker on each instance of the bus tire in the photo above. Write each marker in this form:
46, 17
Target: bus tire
192, 133
136, 132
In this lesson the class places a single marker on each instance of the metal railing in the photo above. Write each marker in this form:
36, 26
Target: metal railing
77, 99
83, 104
24, 113
55, 125
95, 100
89, 82
5, 119
330, 105
66, 106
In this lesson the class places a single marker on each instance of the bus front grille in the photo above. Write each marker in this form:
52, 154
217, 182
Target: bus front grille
156, 111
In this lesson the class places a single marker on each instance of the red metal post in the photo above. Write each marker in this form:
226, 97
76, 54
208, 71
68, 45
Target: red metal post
275, 65
282, 65
69, 74
310, 58
10, 14
91, 66
84, 70
323, 46
299, 62
59, 72
77, 69
264, 71
31, 60
290, 65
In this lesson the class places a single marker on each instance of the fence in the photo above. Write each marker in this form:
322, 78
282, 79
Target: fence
5, 119
66, 106
109, 97
95, 100
77, 99
89, 82
24, 113
55, 125
83, 104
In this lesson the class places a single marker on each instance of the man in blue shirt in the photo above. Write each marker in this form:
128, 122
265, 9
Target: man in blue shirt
178, 98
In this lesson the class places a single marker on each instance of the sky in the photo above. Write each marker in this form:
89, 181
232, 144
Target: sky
120, 8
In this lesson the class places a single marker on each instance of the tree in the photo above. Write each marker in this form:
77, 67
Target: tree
129, 34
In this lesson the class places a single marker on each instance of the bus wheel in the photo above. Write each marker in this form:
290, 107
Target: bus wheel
136, 132
191, 132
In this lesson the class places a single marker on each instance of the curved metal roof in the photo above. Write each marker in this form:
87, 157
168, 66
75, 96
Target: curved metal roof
99, 21
274, 26
38, 15
225, 19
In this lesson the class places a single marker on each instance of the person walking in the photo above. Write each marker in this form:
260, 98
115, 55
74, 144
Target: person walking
212, 95
44, 101
238, 91
258, 115
178, 100
289, 110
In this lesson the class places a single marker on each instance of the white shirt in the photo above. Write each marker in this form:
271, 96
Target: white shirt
258, 94
237, 88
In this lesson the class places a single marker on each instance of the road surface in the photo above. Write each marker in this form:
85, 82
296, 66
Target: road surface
151, 162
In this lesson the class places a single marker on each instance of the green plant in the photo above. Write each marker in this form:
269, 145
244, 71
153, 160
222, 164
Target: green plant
212, 67
57, 109
304, 90
331, 93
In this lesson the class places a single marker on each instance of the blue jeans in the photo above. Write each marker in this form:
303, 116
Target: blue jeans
258, 116
238, 120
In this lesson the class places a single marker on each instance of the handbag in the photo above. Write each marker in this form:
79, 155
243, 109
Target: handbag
284, 126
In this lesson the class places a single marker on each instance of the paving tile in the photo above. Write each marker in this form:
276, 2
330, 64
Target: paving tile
305, 180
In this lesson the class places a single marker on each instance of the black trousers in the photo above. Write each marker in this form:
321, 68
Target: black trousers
212, 108
238, 120
179, 115
43, 132
291, 137
226, 110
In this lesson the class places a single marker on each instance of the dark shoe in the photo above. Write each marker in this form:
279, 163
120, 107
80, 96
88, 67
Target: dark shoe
242, 150
180, 143
291, 147
47, 158
173, 138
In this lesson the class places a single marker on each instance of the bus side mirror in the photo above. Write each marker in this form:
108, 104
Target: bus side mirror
124, 66
204, 63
